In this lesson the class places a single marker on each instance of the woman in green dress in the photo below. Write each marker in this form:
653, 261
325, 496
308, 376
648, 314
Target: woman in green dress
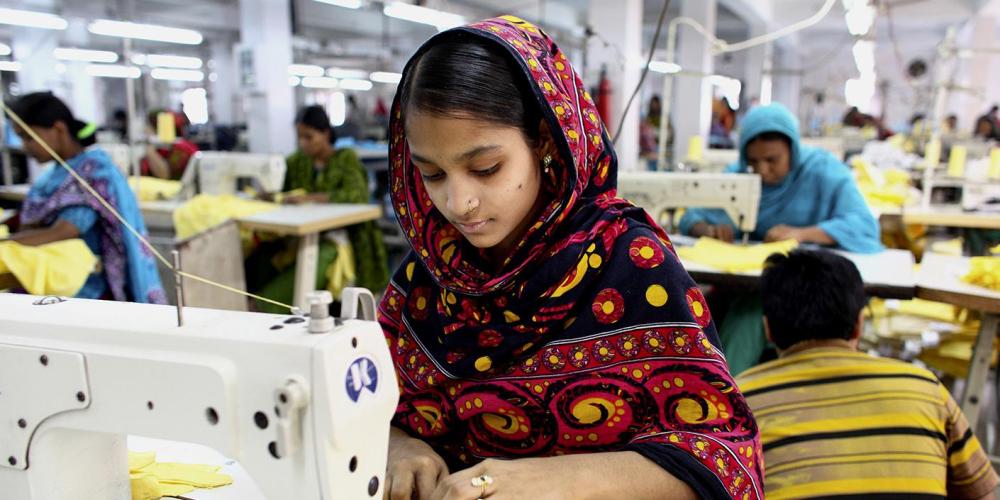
326, 175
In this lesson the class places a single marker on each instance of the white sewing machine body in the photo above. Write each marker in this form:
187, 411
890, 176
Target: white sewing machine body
306, 414
219, 172
659, 192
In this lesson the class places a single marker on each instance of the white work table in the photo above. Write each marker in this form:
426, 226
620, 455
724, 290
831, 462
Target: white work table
888, 274
243, 486
14, 192
943, 216
939, 279
307, 222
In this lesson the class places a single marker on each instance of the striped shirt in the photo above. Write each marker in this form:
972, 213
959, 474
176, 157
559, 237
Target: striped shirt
838, 423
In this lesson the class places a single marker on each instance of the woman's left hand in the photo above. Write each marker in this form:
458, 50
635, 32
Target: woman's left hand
536, 478
782, 232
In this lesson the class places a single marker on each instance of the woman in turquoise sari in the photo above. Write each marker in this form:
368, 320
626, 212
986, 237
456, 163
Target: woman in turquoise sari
58, 208
808, 195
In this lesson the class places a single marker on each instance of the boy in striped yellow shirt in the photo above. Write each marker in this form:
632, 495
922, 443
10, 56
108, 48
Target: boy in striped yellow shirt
838, 423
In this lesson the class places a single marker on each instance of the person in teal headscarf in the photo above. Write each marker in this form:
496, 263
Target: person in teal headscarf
807, 195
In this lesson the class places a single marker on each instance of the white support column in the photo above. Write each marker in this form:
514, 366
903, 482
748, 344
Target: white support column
33, 49
266, 33
692, 99
754, 68
787, 83
84, 98
620, 25
222, 81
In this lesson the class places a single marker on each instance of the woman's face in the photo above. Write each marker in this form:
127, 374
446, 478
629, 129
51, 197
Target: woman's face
312, 141
983, 128
483, 177
769, 159
53, 136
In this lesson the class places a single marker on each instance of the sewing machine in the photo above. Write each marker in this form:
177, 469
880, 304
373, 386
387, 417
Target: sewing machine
303, 404
660, 192
218, 172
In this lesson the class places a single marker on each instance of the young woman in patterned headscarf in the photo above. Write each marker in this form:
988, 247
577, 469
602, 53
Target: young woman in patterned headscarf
539, 318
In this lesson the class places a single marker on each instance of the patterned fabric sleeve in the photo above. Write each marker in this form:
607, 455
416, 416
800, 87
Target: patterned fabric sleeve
970, 473
80, 216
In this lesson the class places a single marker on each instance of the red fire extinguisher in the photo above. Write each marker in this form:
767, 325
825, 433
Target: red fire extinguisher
604, 95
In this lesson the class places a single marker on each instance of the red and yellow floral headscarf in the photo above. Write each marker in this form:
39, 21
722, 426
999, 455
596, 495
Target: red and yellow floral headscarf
590, 338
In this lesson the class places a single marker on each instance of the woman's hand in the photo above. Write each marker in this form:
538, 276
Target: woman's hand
722, 232
307, 198
414, 469
535, 478
782, 232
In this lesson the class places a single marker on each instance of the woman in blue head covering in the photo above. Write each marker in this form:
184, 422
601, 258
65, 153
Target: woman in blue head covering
808, 195
57, 207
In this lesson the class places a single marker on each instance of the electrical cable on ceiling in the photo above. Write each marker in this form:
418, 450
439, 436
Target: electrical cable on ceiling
645, 71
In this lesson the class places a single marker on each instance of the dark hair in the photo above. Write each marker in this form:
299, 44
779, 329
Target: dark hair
464, 75
811, 294
772, 136
315, 117
43, 109
916, 117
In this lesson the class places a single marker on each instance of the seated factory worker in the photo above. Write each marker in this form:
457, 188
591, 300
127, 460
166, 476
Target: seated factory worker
545, 335
167, 161
835, 421
58, 208
807, 195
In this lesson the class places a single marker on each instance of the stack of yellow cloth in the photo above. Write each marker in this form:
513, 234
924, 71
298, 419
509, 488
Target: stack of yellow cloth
59, 268
733, 258
984, 272
206, 211
881, 189
152, 480
152, 188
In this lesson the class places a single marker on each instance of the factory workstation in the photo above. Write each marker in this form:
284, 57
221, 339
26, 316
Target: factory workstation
476, 249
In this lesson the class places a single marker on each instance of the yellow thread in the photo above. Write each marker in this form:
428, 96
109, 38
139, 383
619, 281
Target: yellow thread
83, 182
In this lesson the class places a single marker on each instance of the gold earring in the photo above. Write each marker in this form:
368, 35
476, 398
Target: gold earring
547, 160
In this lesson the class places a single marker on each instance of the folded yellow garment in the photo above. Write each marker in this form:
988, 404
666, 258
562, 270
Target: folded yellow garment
152, 480
984, 272
206, 211
153, 188
59, 268
733, 258
341, 272
4, 231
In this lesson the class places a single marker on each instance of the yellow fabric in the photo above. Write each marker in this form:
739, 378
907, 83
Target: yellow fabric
281, 197
886, 189
152, 188
206, 211
733, 258
341, 272
995, 250
984, 272
59, 268
4, 231
152, 480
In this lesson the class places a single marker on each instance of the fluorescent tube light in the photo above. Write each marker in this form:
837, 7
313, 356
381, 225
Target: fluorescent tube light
350, 4
32, 19
10, 66
385, 77
167, 61
4, 49
305, 70
319, 82
113, 71
184, 75
346, 73
152, 32
355, 84
85, 55
664, 67
417, 14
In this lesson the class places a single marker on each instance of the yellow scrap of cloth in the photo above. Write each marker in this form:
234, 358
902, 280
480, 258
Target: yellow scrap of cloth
206, 211
995, 250
733, 258
984, 272
152, 188
4, 231
341, 272
59, 268
881, 189
152, 480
